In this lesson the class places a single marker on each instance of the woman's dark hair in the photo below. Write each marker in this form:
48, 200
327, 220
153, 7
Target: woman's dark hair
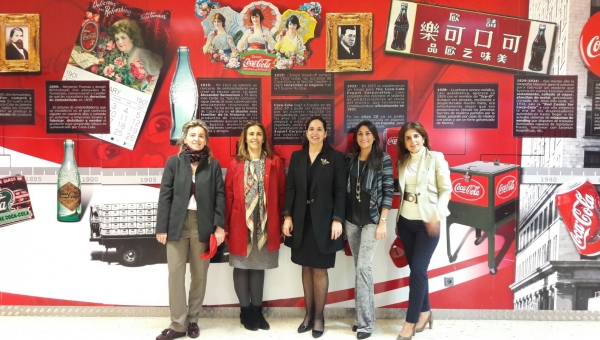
219, 17
257, 13
310, 120
292, 20
375, 158
403, 153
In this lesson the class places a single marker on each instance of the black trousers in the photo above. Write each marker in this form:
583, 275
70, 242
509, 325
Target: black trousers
419, 248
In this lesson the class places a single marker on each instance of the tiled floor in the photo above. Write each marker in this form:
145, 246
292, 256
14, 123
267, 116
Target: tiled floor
133, 328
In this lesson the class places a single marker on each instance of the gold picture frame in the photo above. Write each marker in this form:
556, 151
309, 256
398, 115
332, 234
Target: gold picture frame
340, 56
26, 58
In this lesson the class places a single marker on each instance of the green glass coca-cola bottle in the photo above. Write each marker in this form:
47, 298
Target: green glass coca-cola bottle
68, 206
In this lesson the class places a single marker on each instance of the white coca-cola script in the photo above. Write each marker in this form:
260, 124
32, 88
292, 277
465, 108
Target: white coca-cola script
593, 47
471, 191
505, 189
583, 212
258, 63
392, 141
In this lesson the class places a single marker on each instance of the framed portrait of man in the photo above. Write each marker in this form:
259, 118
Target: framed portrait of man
349, 42
21, 34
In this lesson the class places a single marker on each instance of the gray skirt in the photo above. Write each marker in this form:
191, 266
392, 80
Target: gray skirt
258, 259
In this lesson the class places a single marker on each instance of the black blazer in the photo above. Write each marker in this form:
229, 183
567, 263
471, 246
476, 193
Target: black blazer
343, 54
12, 53
327, 193
174, 197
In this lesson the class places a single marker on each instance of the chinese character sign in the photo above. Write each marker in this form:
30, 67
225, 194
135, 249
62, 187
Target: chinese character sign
467, 36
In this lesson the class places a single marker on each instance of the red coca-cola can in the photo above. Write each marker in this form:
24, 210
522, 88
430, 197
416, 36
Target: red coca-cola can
578, 203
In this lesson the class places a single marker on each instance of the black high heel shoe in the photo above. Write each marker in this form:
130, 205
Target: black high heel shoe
303, 329
317, 334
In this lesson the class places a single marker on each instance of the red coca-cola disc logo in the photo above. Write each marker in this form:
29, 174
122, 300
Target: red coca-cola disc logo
589, 44
506, 187
468, 191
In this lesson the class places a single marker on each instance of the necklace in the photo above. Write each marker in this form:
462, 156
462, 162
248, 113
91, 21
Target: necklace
358, 173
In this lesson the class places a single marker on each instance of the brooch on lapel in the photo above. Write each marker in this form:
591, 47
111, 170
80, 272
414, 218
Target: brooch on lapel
324, 161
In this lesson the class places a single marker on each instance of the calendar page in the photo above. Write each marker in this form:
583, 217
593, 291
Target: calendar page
125, 45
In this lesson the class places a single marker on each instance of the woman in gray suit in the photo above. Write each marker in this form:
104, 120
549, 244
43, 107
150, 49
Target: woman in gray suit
425, 188
191, 207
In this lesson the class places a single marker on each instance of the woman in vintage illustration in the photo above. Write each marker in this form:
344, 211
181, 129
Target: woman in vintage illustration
191, 207
289, 42
219, 39
256, 36
369, 189
255, 195
425, 188
313, 216
144, 65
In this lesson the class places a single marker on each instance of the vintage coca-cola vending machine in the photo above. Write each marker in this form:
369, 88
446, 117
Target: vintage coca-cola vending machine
485, 197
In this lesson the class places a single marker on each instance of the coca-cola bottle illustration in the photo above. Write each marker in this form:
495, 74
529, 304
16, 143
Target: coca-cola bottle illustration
183, 94
68, 203
400, 29
538, 49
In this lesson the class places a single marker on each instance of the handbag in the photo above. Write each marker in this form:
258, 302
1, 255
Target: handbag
347, 249
397, 253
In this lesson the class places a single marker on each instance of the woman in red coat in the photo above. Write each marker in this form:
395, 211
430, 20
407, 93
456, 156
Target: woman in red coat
255, 196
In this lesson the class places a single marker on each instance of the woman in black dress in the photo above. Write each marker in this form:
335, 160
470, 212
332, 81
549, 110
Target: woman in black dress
314, 213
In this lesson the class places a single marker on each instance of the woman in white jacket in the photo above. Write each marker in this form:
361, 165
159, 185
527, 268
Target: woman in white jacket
425, 188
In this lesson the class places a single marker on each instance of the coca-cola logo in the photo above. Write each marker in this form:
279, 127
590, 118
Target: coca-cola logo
589, 44
89, 35
260, 63
593, 47
583, 213
392, 141
506, 187
468, 191
257, 63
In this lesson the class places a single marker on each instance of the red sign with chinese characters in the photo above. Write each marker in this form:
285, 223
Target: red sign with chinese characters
467, 36
589, 44
473, 191
506, 187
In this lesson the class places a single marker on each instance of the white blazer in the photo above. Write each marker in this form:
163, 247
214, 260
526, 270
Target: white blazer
433, 187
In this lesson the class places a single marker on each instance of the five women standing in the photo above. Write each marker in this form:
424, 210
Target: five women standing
321, 192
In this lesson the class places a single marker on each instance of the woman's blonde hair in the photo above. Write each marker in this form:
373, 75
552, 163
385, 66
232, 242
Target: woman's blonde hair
243, 154
184, 131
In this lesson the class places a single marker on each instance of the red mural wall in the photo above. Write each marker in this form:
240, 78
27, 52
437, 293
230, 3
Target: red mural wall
61, 21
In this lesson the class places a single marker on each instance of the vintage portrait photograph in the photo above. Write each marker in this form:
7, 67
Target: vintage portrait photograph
16, 43
349, 42
21, 43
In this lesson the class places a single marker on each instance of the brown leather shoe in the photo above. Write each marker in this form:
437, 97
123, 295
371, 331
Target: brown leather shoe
169, 334
193, 330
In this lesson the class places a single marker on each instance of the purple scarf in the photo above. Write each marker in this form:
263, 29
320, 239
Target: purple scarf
194, 155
